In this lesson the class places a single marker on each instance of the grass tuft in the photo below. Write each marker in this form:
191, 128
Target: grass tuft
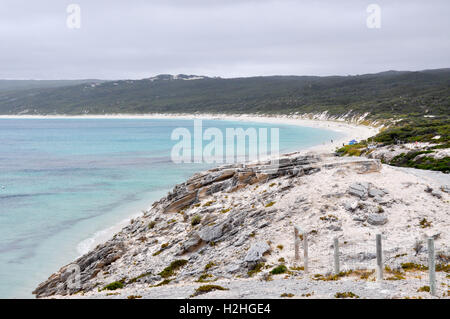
172, 268
207, 288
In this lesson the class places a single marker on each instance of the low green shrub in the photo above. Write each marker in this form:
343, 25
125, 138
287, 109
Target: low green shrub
281, 269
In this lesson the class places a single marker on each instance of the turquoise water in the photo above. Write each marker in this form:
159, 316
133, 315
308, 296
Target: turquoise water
63, 181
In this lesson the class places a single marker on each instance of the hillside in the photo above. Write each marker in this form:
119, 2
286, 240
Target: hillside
233, 226
384, 95
18, 85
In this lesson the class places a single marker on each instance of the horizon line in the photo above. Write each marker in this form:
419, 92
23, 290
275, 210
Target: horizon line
222, 77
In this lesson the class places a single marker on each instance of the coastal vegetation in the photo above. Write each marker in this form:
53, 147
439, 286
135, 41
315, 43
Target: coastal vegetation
207, 288
427, 135
172, 268
281, 269
114, 285
258, 268
196, 220
347, 294
383, 95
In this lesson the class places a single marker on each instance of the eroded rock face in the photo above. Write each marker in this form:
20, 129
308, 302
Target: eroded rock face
211, 233
225, 231
192, 244
84, 268
181, 202
228, 178
234, 178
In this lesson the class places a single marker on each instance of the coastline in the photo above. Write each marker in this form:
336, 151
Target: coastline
350, 130
325, 196
347, 130
351, 198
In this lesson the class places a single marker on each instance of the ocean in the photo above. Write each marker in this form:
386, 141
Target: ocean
67, 184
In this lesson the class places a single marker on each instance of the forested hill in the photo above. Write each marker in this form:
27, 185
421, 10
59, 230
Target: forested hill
17, 85
383, 94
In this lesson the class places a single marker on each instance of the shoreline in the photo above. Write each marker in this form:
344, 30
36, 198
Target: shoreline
350, 130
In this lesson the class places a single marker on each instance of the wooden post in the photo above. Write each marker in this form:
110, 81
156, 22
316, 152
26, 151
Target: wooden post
379, 258
305, 252
336, 255
296, 244
432, 266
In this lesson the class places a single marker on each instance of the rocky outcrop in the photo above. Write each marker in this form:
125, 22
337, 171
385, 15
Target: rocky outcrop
237, 220
256, 252
229, 178
365, 190
83, 269
232, 178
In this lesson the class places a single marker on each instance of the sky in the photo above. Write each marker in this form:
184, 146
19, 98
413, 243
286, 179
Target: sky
137, 39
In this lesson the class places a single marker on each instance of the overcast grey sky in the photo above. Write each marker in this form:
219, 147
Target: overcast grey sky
228, 38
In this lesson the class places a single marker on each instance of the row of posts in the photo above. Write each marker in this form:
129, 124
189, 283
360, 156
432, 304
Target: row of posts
379, 269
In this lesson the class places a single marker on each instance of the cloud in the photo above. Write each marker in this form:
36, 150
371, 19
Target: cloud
136, 38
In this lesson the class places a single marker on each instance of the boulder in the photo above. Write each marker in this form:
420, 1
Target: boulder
360, 218
377, 219
382, 201
363, 256
256, 251
375, 192
351, 206
359, 190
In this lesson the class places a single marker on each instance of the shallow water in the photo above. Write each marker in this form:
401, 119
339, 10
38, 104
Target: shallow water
64, 181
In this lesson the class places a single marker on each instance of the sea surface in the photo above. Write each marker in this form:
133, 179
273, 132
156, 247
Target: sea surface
66, 184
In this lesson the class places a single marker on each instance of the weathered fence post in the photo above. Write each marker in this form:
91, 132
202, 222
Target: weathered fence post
432, 266
297, 233
296, 244
305, 252
336, 255
379, 258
